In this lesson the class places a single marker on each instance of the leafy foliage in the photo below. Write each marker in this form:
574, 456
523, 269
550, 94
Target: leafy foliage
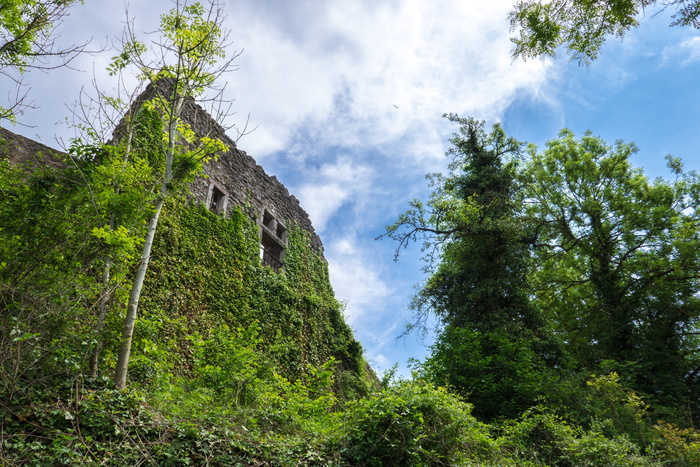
26, 30
566, 284
501, 374
583, 25
46, 280
413, 423
617, 261
199, 358
550, 440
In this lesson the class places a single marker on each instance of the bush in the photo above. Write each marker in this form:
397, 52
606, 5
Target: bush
545, 438
677, 446
412, 423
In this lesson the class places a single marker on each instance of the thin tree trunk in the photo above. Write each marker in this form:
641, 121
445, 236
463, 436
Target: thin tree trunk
121, 369
106, 271
132, 308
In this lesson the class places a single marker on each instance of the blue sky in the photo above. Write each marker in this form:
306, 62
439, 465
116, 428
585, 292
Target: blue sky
347, 99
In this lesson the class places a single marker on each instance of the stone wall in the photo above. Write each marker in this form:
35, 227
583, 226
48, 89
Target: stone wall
234, 179
27, 152
245, 183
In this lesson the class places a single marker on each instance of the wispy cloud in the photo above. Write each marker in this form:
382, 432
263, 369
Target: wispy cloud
687, 51
323, 191
358, 281
366, 73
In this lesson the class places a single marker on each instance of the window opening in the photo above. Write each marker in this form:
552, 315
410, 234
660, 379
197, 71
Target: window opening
217, 201
268, 220
271, 252
281, 232
273, 240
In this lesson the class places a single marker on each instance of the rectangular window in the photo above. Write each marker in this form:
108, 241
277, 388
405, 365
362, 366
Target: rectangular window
217, 200
273, 241
271, 251
269, 220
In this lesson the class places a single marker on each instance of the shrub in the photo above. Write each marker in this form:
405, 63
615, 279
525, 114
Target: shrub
545, 438
412, 423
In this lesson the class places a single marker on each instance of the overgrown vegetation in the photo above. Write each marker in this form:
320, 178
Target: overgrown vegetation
565, 283
222, 341
236, 364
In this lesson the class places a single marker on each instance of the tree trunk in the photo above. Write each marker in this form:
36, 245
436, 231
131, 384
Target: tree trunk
132, 308
106, 271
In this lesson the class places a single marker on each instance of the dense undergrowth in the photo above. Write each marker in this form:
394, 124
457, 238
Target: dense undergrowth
83, 422
235, 364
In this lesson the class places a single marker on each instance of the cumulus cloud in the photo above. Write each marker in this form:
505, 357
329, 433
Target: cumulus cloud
350, 73
366, 73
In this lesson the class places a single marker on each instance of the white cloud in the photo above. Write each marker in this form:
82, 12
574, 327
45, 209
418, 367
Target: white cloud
687, 51
322, 201
355, 279
325, 190
341, 70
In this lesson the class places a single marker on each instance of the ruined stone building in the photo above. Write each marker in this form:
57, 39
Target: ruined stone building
234, 179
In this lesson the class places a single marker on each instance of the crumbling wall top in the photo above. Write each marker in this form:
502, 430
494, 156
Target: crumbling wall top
20, 150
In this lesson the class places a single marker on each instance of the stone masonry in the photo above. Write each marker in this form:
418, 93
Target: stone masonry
234, 179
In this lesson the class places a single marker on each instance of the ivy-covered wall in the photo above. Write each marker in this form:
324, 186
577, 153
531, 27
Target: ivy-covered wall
206, 273
206, 276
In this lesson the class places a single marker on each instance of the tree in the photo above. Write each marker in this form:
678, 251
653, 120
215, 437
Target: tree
493, 345
27, 31
584, 25
118, 178
192, 47
473, 216
618, 261
48, 257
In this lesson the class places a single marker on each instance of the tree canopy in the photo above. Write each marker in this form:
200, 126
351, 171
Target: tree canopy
557, 262
616, 259
583, 26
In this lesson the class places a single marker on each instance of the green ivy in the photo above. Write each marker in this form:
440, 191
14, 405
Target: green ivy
206, 273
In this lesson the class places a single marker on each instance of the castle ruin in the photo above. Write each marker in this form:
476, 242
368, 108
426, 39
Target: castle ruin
233, 179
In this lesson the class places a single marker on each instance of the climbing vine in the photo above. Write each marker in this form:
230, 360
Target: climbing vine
206, 273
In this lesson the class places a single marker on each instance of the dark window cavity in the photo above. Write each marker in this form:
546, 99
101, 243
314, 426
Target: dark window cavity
273, 241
